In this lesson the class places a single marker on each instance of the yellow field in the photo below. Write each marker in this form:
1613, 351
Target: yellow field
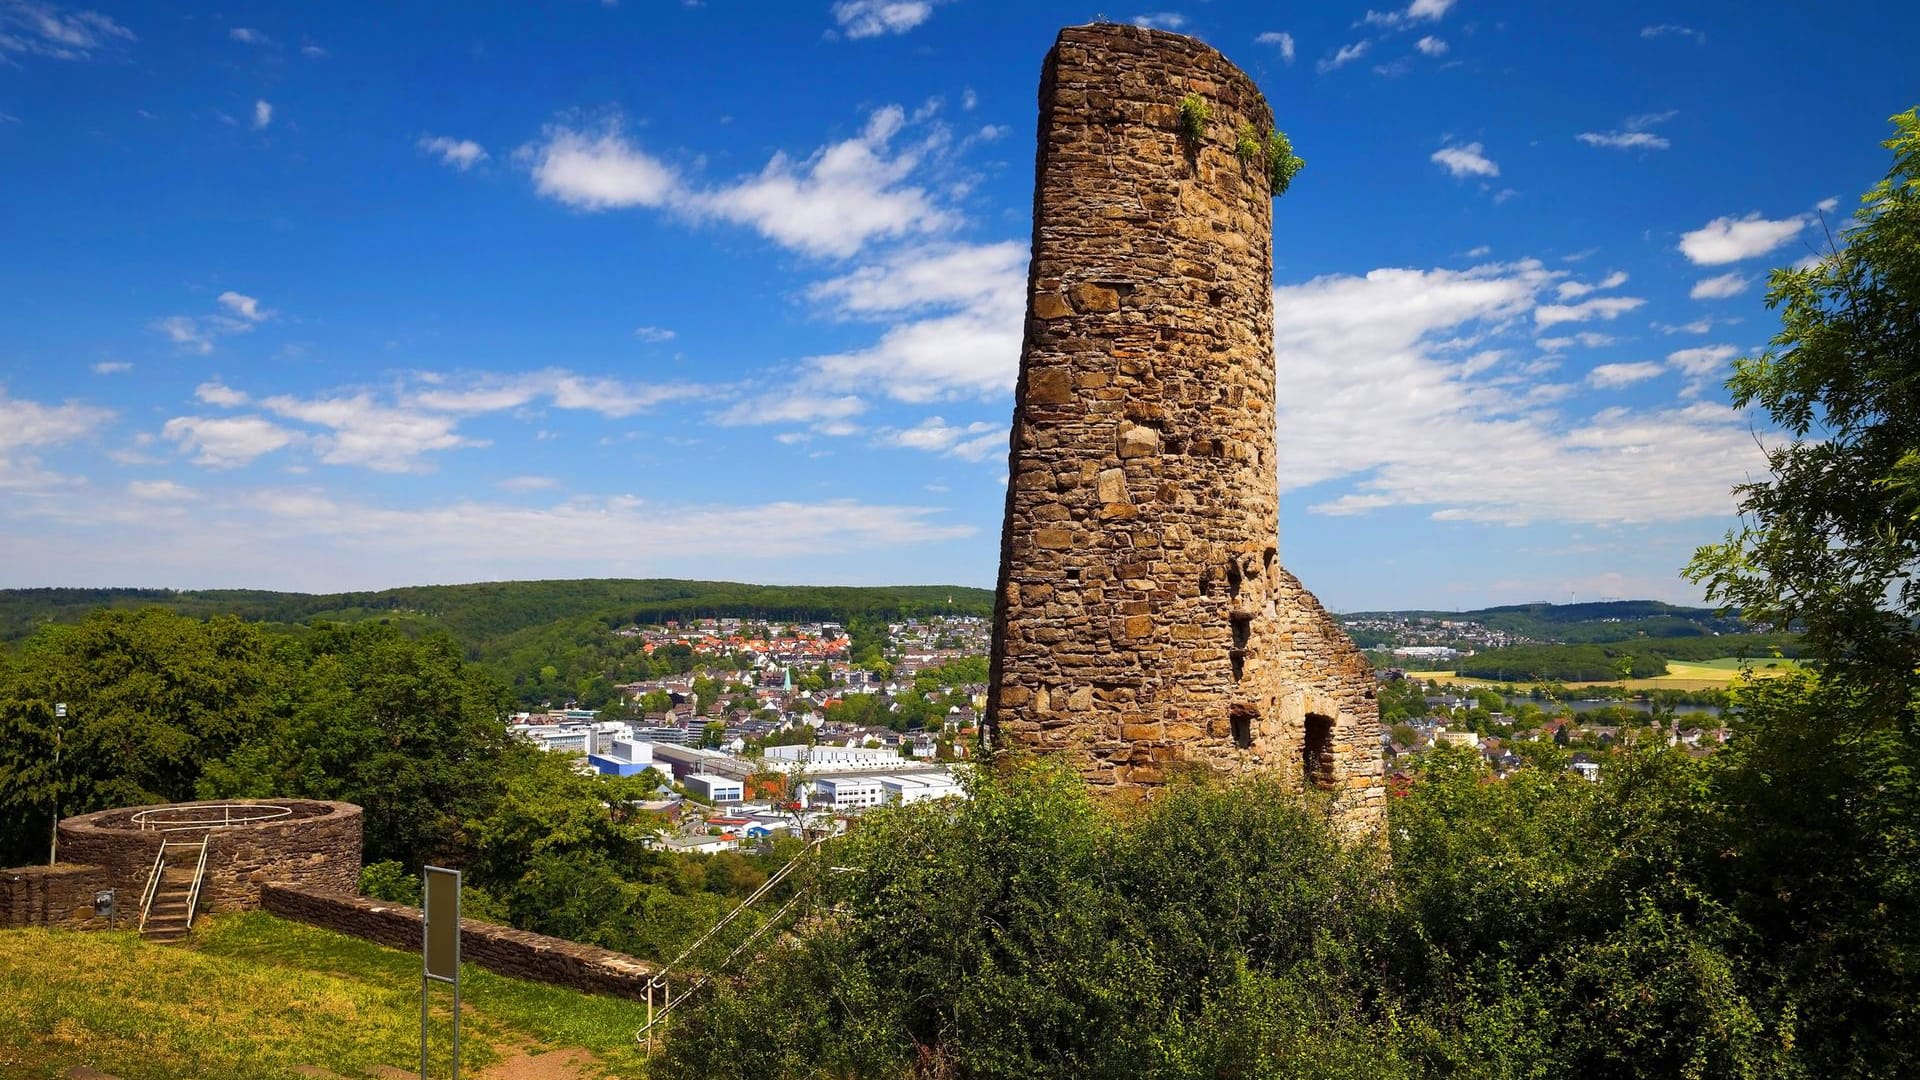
1681, 675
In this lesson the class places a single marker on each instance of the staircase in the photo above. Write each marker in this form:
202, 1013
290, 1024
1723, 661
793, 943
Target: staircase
173, 889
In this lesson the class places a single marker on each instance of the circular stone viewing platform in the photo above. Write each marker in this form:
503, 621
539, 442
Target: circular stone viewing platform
249, 842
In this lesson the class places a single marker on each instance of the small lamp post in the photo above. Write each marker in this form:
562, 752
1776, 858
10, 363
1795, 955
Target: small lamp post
53, 849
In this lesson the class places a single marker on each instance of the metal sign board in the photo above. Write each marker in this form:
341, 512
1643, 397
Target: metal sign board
441, 949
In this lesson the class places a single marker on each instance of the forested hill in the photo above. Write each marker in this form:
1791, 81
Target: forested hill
1605, 621
480, 614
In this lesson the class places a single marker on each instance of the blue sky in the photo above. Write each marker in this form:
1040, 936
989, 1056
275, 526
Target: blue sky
360, 295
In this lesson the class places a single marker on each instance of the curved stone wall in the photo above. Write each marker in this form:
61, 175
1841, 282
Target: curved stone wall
1143, 618
317, 845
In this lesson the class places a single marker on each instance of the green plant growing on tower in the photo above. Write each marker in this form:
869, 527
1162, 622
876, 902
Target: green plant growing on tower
1194, 114
1282, 164
1248, 146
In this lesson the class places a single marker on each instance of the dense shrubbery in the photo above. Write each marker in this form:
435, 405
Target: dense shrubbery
1678, 918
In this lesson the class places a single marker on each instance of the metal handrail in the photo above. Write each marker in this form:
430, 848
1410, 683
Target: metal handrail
153, 884
660, 978
158, 819
199, 875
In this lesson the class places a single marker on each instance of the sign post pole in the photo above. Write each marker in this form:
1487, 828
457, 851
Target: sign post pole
440, 951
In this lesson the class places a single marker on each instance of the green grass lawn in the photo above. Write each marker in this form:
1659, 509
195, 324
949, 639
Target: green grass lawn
251, 995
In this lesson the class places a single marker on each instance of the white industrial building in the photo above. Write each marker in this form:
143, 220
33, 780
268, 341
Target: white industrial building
848, 792
714, 788
918, 787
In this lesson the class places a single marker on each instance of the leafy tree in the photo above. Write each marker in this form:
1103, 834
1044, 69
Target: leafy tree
403, 727
151, 697
1831, 541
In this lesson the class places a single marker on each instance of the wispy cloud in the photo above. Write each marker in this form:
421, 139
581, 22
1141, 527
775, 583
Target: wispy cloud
1279, 39
462, 154
875, 18
1345, 55
1729, 239
31, 28
1466, 160
1721, 287
262, 114
1161, 20
832, 203
1673, 30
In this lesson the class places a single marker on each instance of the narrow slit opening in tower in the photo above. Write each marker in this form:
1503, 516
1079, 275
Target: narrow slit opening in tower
1316, 752
1233, 577
1240, 717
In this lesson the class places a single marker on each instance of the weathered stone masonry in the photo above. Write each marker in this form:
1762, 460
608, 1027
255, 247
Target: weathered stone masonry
1143, 618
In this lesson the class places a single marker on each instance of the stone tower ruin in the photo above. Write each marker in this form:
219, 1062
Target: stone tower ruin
1143, 618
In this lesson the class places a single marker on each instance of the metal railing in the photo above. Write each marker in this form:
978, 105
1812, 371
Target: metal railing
205, 816
661, 980
153, 884
199, 875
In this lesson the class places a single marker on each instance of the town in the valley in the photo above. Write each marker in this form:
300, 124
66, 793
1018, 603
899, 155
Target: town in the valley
779, 729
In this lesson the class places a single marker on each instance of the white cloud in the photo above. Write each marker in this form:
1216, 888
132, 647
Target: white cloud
246, 307
1719, 288
965, 341
1827, 205
312, 51
873, 18
227, 442
26, 424
1585, 339
527, 483
1633, 133
836, 201
1569, 290
1705, 360
1697, 326
1468, 160
184, 332
1281, 40
597, 171
1346, 54
1729, 239
1162, 20
360, 431
1673, 30
248, 37
971, 442
315, 540
462, 154
262, 114
112, 367
1624, 140
472, 395
1431, 46
827, 413
1609, 376
831, 203
161, 491
1382, 352
214, 393
31, 28
1418, 11
653, 335
1606, 308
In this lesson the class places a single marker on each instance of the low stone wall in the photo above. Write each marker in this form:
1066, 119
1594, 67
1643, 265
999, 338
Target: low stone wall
58, 896
500, 949
318, 845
